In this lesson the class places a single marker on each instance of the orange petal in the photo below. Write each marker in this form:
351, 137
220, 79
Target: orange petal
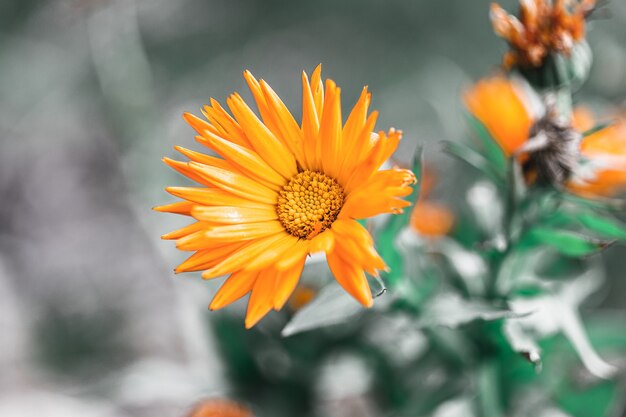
214, 197
182, 207
351, 278
298, 252
198, 124
235, 183
388, 186
245, 231
330, 130
234, 214
286, 282
236, 286
227, 126
208, 258
273, 253
246, 161
262, 139
500, 105
239, 259
324, 242
184, 231
310, 127
261, 298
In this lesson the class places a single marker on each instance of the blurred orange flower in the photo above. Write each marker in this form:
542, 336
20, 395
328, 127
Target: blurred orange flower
283, 190
428, 218
504, 108
220, 408
543, 27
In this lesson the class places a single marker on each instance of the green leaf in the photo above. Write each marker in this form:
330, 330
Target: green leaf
493, 151
603, 226
596, 128
451, 310
566, 242
473, 158
332, 306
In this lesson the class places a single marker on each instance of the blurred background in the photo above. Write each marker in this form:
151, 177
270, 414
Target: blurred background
92, 320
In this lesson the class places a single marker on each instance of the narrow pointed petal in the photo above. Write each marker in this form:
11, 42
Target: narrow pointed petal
246, 160
351, 278
323, 242
237, 184
236, 286
184, 231
226, 125
239, 259
286, 283
273, 253
182, 207
233, 215
245, 231
198, 124
215, 197
208, 258
260, 302
262, 139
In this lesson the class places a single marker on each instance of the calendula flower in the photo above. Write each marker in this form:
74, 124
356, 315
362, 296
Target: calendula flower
282, 190
220, 408
553, 150
605, 150
428, 218
543, 27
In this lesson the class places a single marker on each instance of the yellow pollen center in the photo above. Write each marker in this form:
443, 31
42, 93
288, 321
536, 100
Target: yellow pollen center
309, 204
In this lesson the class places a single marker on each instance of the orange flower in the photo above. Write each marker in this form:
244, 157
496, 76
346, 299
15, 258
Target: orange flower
503, 107
606, 149
282, 190
302, 296
431, 219
543, 27
220, 408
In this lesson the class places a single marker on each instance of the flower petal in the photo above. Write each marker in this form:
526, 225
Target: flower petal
286, 282
236, 286
235, 183
260, 302
233, 214
351, 278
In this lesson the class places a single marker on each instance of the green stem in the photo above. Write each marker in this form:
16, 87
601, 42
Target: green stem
489, 396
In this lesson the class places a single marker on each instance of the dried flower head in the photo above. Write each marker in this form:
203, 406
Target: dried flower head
551, 149
543, 27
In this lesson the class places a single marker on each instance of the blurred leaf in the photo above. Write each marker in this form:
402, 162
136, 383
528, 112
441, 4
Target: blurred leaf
596, 129
553, 266
332, 306
473, 158
493, 151
566, 242
386, 237
605, 227
489, 398
522, 342
451, 310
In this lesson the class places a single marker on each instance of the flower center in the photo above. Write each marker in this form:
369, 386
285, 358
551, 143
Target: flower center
309, 204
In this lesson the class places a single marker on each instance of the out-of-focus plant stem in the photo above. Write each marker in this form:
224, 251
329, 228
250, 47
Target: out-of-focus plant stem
489, 391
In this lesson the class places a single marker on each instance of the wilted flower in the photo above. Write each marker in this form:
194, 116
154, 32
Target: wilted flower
543, 27
553, 150
283, 190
